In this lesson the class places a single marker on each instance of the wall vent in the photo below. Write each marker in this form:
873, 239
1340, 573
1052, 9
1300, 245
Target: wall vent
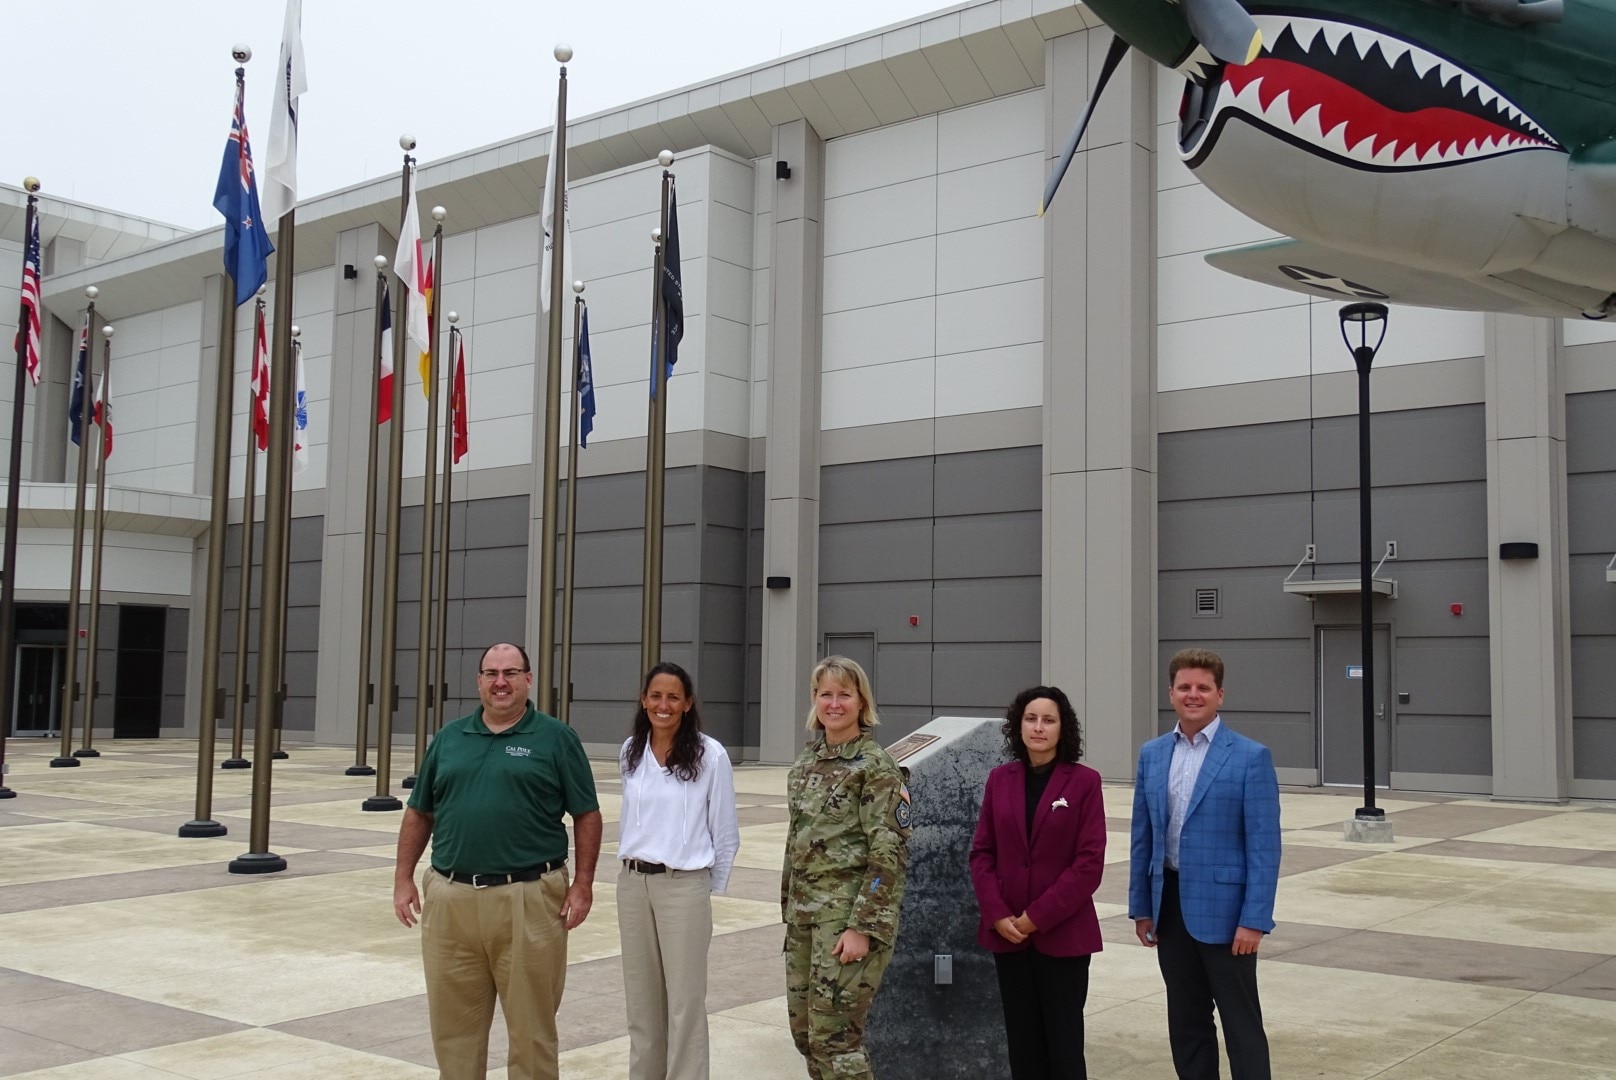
1206, 604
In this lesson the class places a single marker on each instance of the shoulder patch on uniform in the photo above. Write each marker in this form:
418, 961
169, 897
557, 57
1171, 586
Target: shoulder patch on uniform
900, 812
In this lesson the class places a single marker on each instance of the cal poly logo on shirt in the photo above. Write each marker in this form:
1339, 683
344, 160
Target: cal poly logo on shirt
518, 751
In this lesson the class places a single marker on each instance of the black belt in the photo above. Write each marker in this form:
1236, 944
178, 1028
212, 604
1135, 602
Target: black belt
641, 867
484, 881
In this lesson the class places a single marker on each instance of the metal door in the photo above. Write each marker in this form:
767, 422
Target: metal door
1340, 674
39, 690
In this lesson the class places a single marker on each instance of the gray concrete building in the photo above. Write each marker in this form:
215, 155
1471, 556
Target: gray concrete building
912, 422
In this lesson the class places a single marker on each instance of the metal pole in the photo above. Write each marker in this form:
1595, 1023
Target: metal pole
96, 546
429, 507
570, 550
384, 799
1363, 356
655, 455
367, 689
258, 859
249, 502
440, 648
8, 548
552, 400
70, 678
207, 724
286, 561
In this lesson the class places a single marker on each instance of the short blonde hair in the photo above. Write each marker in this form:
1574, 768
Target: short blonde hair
848, 673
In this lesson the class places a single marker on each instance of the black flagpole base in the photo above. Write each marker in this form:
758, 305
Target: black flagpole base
408, 781
7, 793
279, 755
235, 763
258, 862
359, 770
64, 763
381, 802
202, 828
1370, 813
88, 751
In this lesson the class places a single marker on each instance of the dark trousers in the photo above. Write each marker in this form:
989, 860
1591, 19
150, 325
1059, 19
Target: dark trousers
1198, 976
1043, 1013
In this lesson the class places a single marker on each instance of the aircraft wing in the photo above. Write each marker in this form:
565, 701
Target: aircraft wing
1327, 273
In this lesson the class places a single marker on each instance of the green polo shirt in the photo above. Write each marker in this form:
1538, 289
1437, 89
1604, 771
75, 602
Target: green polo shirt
496, 800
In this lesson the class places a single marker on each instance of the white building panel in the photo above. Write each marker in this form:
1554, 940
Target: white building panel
994, 130
1009, 251
879, 216
861, 337
986, 194
884, 394
990, 380
1188, 287
881, 275
881, 157
1194, 219
1273, 344
991, 318
506, 246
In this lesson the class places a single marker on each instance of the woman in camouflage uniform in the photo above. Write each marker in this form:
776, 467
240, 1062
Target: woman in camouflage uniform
844, 870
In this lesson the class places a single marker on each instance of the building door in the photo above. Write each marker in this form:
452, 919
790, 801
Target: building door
1340, 652
858, 647
137, 706
38, 708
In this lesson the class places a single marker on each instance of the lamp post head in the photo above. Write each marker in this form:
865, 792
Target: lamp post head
578, 287
30, 184
297, 332
665, 158
91, 291
563, 52
107, 332
439, 213
406, 142
453, 317
1363, 320
380, 262
241, 53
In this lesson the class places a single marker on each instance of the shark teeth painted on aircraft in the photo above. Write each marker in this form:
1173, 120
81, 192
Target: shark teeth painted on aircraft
1361, 96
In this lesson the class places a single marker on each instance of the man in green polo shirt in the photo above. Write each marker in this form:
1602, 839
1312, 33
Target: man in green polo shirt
497, 906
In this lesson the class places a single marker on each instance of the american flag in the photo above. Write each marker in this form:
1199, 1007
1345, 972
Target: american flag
30, 299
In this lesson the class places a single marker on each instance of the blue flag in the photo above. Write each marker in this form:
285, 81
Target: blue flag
246, 244
75, 403
586, 384
672, 294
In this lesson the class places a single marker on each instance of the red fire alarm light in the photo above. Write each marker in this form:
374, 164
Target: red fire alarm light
1457, 609
914, 620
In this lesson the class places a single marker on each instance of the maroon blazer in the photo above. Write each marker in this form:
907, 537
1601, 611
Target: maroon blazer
1053, 877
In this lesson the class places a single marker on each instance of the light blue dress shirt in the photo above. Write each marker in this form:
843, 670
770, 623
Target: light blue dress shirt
1188, 756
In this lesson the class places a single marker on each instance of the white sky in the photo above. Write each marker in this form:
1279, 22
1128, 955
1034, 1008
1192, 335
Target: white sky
126, 104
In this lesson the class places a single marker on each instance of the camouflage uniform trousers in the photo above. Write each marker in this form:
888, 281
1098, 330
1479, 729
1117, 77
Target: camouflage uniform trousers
828, 1001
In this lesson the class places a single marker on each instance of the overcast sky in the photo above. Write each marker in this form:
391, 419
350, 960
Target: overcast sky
126, 104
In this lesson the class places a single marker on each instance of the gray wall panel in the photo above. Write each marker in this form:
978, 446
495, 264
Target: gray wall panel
1226, 462
990, 482
1426, 592
988, 545
723, 556
1274, 676
1594, 742
998, 610
1269, 530
1443, 677
1593, 677
609, 559
681, 553
1410, 447
904, 673
610, 503
724, 497
876, 551
1435, 521
490, 573
985, 675
1591, 432
723, 615
1593, 599
1591, 513
1461, 745
883, 607
1252, 604
1292, 738
490, 522
876, 491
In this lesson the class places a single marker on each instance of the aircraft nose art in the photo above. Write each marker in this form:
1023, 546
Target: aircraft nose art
1360, 96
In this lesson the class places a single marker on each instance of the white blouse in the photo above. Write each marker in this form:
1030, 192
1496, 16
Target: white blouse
682, 824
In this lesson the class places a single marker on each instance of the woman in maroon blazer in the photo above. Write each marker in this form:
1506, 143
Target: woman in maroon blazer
1036, 860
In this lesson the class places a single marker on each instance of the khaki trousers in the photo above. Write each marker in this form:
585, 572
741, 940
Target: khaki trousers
508, 942
666, 924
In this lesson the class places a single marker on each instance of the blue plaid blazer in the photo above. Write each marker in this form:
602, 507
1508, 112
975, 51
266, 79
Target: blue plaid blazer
1228, 853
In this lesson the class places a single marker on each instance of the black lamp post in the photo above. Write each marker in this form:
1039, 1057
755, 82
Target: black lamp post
1363, 321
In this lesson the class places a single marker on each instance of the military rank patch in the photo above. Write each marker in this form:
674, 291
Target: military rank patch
900, 813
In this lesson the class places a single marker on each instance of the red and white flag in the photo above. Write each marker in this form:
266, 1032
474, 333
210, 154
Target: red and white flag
260, 382
103, 416
384, 388
30, 300
458, 403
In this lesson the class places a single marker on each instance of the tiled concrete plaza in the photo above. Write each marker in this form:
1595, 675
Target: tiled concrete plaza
1481, 945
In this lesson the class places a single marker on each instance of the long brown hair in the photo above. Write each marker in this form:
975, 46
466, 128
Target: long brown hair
684, 759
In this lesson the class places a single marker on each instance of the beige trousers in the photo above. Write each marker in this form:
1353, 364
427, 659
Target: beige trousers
478, 944
666, 924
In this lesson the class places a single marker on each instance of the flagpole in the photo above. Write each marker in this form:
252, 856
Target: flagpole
96, 544
240, 689
258, 859
440, 650
286, 555
552, 395
429, 508
212, 711
367, 689
384, 799
570, 544
70, 678
8, 548
656, 443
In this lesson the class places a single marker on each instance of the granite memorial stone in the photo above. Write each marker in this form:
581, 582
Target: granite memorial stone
937, 1013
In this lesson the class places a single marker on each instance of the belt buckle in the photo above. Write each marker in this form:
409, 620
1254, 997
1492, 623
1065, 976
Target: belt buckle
474, 883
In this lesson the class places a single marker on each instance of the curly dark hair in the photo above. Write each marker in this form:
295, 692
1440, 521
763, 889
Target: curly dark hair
1070, 746
684, 759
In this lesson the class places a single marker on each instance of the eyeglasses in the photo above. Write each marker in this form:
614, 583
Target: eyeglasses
508, 674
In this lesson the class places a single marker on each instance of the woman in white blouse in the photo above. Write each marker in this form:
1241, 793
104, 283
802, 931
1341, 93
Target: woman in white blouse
677, 841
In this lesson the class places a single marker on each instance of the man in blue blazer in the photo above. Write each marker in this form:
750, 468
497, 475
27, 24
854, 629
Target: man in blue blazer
1203, 868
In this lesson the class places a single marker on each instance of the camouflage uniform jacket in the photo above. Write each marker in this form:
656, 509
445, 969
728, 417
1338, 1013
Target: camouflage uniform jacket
847, 840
